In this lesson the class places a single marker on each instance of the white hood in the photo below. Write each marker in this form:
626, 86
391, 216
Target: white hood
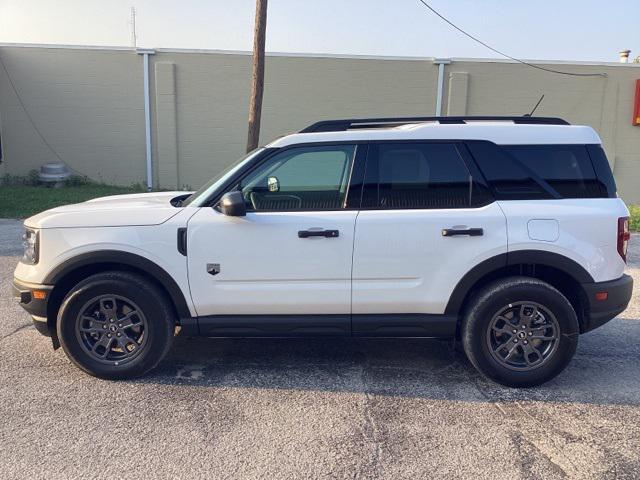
113, 211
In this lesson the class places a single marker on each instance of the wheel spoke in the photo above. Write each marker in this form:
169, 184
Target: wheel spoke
103, 342
512, 350
122, 343
108, 307
528, 351
127, 320
507, 328
94, 325
541, 327
502, 346
544, 338
131, 338
542, 333
528, 313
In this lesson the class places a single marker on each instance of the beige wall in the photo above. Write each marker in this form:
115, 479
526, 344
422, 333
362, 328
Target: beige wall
88, 105
212, 89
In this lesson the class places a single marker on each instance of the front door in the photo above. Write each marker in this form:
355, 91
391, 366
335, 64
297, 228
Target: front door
291, 255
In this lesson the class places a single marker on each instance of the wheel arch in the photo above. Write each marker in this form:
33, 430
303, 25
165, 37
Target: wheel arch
69, 273
561, 272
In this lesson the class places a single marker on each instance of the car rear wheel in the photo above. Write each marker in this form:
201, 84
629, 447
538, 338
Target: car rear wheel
520, 332
115, 325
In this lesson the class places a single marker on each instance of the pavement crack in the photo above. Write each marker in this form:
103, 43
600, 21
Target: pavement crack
544, 438
20, 328
529, 454
371, 431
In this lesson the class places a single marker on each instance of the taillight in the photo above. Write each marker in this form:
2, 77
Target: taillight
623, 237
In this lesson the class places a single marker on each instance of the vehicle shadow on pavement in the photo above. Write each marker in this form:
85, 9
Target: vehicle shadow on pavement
604, 371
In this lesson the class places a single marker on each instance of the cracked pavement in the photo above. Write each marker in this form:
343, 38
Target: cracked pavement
321, 408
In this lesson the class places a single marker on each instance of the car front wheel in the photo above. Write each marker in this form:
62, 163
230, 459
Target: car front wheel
115, 325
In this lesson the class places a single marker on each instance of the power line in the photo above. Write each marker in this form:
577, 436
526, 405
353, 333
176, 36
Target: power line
33, 123
475, 39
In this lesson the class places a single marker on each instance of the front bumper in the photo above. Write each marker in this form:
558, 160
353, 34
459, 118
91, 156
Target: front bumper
33, 298
600, 311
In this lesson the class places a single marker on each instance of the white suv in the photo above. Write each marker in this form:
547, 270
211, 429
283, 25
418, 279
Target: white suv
505, 232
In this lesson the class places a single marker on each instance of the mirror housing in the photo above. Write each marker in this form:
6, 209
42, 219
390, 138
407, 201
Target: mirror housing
273, 184
233, 205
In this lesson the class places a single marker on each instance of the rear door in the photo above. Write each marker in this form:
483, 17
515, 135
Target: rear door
426, 220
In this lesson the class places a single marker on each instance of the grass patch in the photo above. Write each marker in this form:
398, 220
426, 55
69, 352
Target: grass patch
634, 219
21, 201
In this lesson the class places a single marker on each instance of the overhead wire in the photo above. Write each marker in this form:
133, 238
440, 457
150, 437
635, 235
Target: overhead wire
495, 50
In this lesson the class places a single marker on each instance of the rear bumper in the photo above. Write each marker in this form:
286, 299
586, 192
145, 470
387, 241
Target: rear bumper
34, 303
599, 312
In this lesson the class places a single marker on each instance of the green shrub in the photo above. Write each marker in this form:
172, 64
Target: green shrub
634, 220
33, 178
30, 179
78, 181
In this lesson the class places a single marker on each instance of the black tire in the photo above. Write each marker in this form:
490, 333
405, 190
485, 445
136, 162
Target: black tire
497, 313
123, 295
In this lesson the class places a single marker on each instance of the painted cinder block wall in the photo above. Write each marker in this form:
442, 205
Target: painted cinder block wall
87, 103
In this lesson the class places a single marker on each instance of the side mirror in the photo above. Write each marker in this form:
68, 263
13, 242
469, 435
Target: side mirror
233, 205
273, 184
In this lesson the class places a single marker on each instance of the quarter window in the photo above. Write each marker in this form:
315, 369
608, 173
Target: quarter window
305, 178
566, 168
518, 172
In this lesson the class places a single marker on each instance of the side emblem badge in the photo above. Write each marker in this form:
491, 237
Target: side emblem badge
213, 268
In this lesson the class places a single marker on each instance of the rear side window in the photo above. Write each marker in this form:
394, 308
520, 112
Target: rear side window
538, 171
418, 176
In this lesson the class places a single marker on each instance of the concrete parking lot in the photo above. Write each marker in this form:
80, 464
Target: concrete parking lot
332, 408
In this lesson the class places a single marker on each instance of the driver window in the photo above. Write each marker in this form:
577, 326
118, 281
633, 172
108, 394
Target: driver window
305, 178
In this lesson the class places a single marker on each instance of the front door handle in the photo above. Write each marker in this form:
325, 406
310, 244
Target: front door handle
318, 233
471, 232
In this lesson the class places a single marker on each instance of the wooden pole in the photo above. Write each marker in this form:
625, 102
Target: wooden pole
257, 85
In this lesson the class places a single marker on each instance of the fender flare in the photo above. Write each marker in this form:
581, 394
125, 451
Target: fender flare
517, 257
123, 258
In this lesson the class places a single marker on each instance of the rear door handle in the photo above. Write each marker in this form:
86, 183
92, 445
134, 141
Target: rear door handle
318, 233
471, 232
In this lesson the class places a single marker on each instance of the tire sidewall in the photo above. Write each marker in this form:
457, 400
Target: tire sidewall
147, 299
491, 302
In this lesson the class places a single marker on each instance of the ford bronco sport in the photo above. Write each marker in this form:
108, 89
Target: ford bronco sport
503, 232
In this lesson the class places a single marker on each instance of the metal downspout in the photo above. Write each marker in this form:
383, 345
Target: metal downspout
147, 114
441, 62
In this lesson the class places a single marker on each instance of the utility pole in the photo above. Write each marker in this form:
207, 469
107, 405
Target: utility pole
257, 85
134, 37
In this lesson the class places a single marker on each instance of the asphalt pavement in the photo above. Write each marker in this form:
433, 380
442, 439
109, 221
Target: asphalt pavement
321, 408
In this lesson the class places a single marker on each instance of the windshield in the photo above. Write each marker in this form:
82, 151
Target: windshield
198, 197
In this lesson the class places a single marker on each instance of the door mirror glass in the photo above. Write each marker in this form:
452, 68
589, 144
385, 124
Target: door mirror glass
273, 184
233, 204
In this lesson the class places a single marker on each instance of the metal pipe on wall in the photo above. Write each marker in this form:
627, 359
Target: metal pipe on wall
441, 62
147, 114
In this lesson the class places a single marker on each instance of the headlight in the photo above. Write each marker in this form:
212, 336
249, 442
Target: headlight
30, 244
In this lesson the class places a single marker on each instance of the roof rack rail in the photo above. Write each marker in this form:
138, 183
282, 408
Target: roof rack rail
361, 123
